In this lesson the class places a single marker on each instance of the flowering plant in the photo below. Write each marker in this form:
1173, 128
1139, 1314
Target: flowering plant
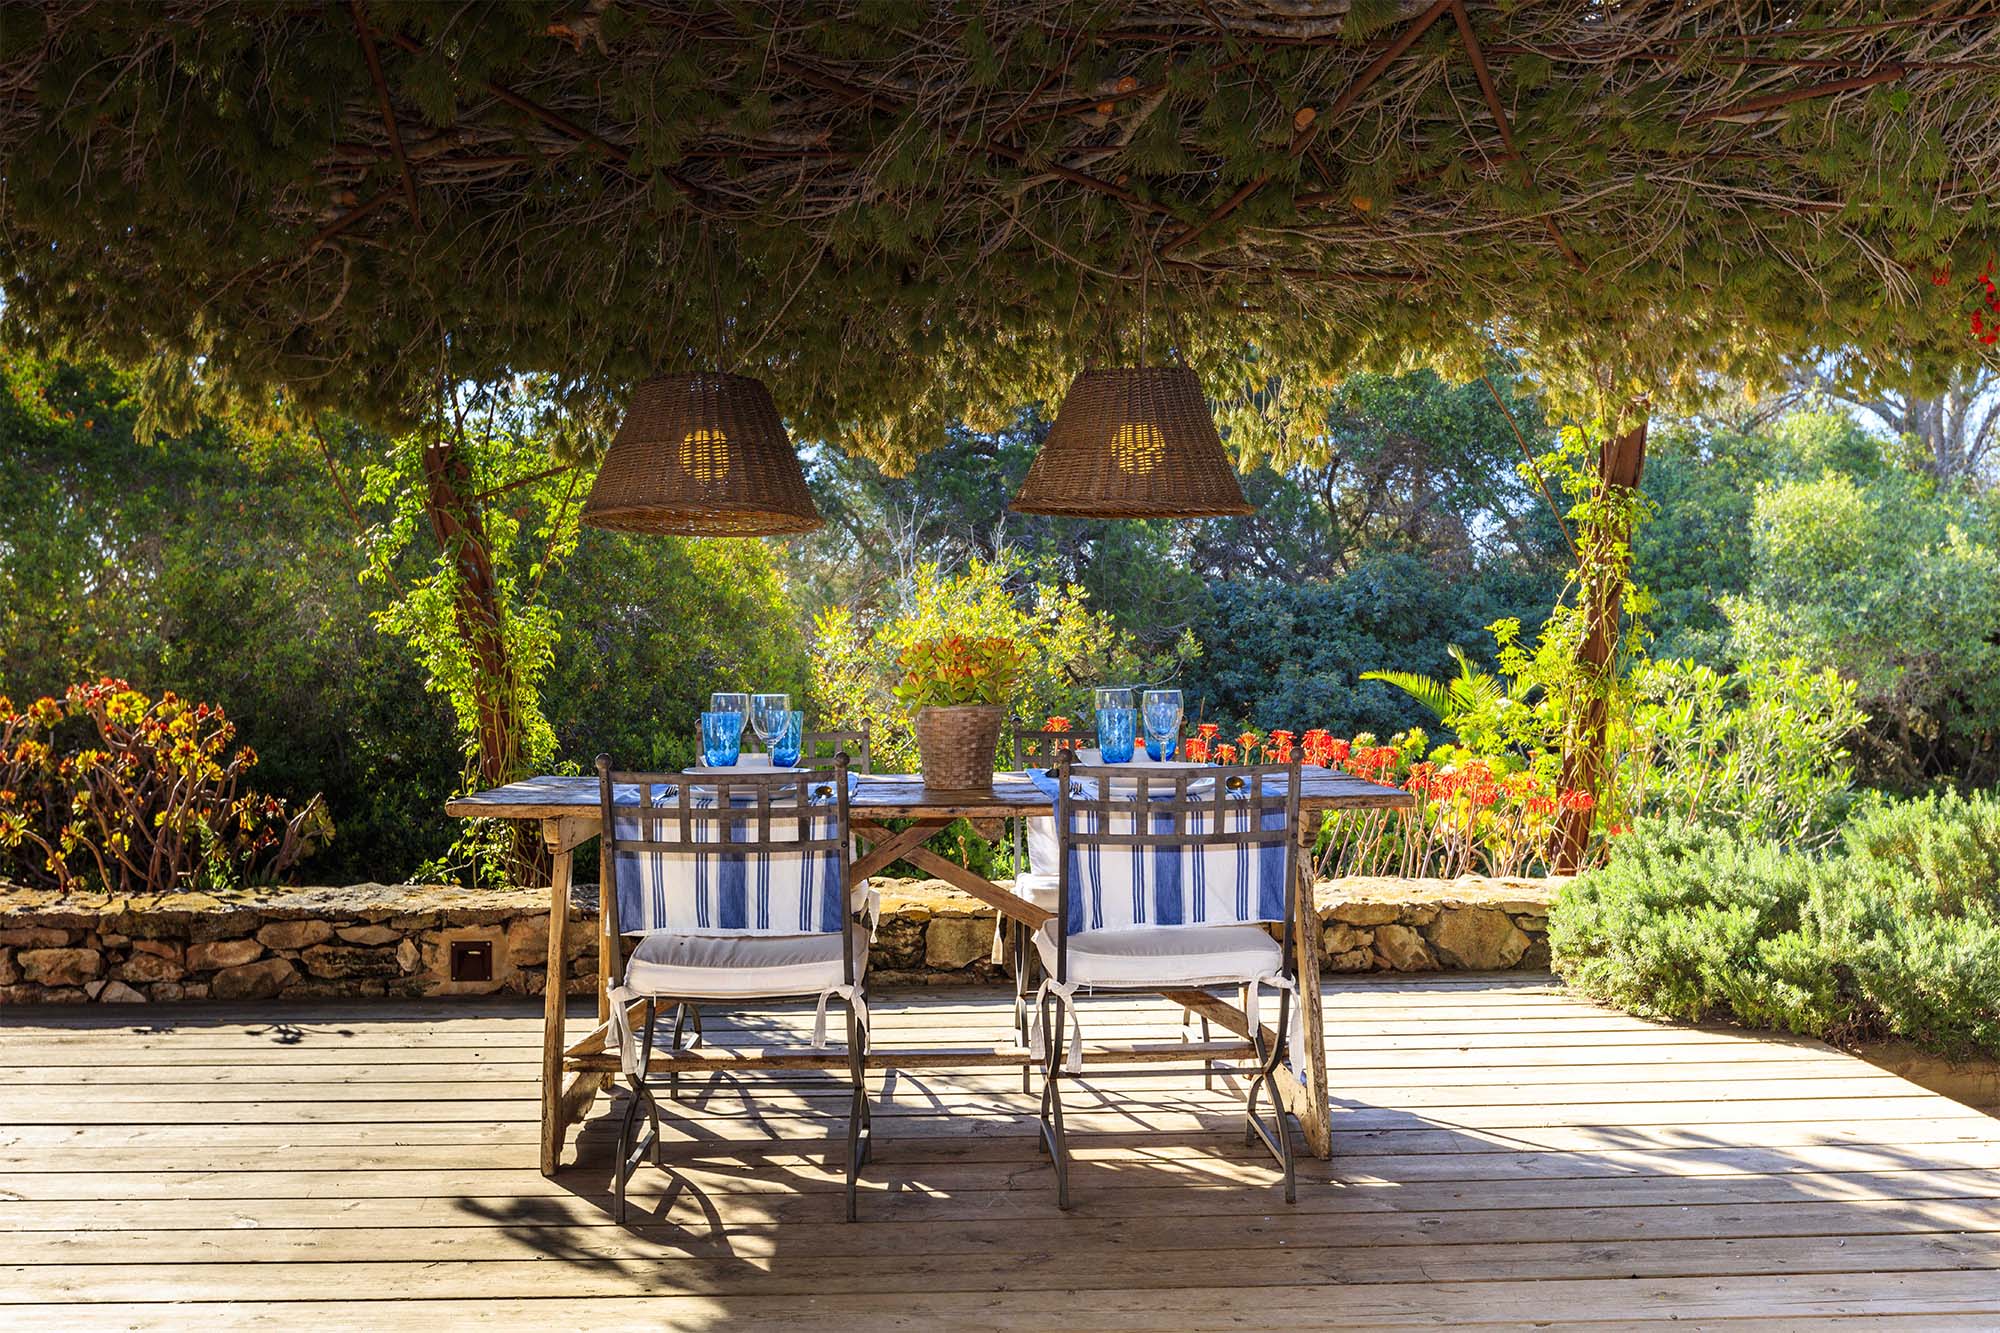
1473, 814
943, 673
146, 794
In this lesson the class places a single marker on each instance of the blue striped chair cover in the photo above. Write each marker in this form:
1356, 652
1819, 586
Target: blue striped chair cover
718, 892
1112, 888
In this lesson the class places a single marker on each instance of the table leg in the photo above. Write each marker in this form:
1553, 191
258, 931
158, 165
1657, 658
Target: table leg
554, 992
1311, 1102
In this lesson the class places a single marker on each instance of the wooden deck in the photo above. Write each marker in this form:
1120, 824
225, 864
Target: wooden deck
1504, 1155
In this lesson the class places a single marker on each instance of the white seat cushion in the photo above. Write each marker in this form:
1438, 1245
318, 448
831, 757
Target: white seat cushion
1156, 956
725, 967
1041, 890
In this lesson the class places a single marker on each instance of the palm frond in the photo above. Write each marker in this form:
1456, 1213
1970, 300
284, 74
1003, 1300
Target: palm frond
1432, 694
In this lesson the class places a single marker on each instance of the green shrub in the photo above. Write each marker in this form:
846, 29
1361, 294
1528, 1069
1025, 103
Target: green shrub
1693, 923
1914, 920
1895, 932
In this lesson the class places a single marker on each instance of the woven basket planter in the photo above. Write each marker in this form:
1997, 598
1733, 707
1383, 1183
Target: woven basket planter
955, 746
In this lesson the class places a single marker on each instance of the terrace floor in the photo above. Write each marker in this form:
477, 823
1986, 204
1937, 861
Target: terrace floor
1504, 1155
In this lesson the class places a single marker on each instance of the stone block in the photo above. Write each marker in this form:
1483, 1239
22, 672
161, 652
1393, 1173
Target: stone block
1402, 949
1337, 937
348, 961
528, 941
294, 934
34, 937
434, 968
952, 942
159, 948
1477, 938
1365, 914
408, 955
168, 991
1355, 960
372, 936
252, 981
213, 955
117, 992
9, 971
148, 967
227, 924
59, 967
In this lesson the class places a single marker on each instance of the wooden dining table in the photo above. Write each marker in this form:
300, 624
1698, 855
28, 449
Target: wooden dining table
893, 814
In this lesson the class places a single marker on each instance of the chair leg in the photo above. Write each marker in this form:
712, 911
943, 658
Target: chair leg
642, 1096
681, 1011
1053, 1134
1277, 1134
860, 1135
1023, 965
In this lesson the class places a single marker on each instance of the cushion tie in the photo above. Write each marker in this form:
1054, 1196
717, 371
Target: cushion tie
851, 994
622, 998
1038, 1046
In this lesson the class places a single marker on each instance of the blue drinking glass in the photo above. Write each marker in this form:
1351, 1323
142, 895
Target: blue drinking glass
788, 729
1115, 728
721, 738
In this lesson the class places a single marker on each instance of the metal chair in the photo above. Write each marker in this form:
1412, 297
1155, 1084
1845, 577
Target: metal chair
1034, 868
1162, 886
817, 745
738, 891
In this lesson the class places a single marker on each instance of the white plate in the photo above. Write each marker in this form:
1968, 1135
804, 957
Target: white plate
762, 764
1138, 760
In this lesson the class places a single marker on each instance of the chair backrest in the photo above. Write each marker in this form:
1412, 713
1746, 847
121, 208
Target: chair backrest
732, 854
829, 745
1175, 847
1038, 749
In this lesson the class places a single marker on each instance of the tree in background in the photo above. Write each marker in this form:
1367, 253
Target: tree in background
223, 562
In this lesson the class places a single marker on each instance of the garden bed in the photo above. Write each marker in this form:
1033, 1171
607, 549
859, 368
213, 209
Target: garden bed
376, 940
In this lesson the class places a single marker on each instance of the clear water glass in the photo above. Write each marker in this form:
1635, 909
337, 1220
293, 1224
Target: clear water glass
787, 734
1113, 696
1161, 712
721, 739
767, 714
1115, 728
729, 702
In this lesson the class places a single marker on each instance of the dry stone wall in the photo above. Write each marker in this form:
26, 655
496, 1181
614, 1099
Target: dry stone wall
373, 940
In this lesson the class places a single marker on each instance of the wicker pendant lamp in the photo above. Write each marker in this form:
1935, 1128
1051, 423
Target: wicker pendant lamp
1136, 442
703, 455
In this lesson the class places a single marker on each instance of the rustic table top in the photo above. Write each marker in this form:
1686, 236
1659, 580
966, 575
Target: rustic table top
899, 796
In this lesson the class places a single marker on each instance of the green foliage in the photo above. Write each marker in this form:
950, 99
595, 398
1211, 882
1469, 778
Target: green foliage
191, 184
529, 535
650, 626
1894, 582
957, 670
1065, 645
1694, 924
1896, 933
1277, 651
115, 791
219, 565
1762, 750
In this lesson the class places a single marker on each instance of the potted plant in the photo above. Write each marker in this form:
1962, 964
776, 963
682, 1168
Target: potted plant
956, 688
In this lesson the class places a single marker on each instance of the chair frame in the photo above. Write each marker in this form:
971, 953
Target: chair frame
1033, 749
854, 744
799, 814
1236, 790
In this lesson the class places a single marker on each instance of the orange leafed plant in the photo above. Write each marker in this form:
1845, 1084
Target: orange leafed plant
944, 673
142, 795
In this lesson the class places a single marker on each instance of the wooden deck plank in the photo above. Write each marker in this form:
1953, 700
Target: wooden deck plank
1504, 1155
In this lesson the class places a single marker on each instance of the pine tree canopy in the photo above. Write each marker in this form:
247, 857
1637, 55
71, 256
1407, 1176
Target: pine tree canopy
901, 214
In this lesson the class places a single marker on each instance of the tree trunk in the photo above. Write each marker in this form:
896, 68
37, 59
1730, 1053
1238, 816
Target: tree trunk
461, 534
1619, 465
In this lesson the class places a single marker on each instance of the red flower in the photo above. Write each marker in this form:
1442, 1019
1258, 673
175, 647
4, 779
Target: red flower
1578, 800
